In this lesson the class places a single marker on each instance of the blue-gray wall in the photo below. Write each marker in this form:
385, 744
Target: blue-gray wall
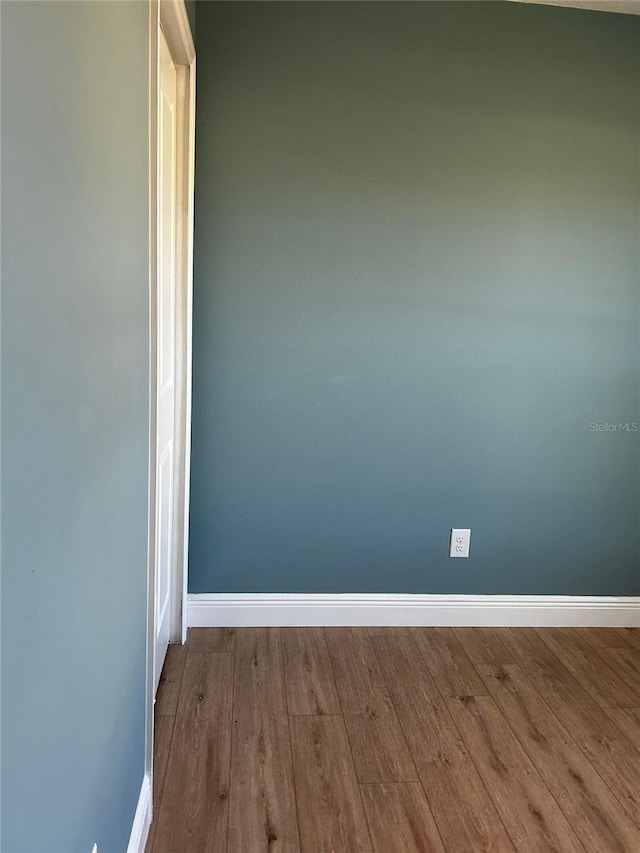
191, 12
416, 287
74, 422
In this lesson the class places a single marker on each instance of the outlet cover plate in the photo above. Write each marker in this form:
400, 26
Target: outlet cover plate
460, 541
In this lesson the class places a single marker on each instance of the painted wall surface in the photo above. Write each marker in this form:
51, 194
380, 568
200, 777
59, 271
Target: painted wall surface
416, 290
74, 422
191, 12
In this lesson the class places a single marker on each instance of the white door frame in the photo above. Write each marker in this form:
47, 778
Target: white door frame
171, 15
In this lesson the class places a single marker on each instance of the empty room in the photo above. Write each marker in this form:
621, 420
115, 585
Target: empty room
320, 426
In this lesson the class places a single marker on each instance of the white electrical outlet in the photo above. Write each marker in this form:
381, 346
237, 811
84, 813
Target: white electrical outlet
460, 540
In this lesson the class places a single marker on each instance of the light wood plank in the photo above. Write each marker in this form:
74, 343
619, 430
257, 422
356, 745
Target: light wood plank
529, 812
358, 678
400, 819
462, 809
452, 670
162, 737
308, 673
595, 814
330, 810
379, 749
606, 687
211, 639
194, 809
170, 681
610, 752
628, 721
262, 805
587, 756
631, 636
526, 644
152, 834
483, 645
259, 674
626, 664
604, 638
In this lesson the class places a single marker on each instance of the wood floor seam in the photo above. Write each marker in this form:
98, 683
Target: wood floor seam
294, 777
286, 700
233, 710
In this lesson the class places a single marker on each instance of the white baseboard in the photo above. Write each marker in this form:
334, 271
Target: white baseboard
141, 820
235, 610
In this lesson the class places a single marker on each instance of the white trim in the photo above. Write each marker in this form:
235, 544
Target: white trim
171, 15
141, 820
177, 31
175, 24
235, 610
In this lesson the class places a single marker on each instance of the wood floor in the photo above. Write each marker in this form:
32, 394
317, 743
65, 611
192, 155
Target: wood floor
399, 740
